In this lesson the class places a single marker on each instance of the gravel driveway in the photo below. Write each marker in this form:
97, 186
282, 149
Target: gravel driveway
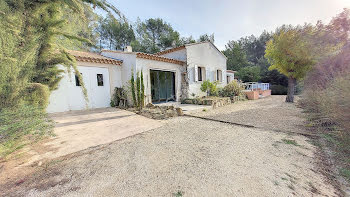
193, 157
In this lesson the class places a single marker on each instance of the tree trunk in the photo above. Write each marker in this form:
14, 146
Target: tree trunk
291, 88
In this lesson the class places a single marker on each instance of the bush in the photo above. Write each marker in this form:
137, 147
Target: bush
232, 89
37, 94
118, 95
278, 90
17, 122
210, 88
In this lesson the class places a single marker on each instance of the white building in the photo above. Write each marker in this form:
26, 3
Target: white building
170, 75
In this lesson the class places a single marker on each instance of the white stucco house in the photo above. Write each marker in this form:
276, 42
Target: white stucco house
170, 75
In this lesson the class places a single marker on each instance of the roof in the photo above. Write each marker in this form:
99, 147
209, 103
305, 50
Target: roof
93, 57
231, 71
149, 56
186, 45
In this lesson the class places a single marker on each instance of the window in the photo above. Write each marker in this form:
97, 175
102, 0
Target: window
77, 81
219, 75
99, 79
200, 76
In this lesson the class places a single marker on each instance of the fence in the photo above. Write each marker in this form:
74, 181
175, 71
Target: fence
256, 86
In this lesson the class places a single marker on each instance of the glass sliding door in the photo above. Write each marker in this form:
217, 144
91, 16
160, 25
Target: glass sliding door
162, 86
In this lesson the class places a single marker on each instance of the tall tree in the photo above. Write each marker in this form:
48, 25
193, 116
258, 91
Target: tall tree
31, 54
115, 34
154, 35
290, 53
206, 37
236, 56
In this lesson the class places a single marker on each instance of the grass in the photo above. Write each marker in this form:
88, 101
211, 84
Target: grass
178, 194
291, 142
204, 110
345, 173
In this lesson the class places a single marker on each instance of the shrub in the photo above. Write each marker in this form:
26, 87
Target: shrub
119, 94
209, 88
17, 122
232, 89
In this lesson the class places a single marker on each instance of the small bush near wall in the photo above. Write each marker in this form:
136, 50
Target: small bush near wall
119, 98
20, 125
232, 89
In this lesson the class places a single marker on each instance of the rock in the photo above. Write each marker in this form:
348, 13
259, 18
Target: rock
179, 111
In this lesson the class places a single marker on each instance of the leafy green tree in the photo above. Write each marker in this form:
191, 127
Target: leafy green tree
154, 35
289, 52
236, 56
115, 34
249, 74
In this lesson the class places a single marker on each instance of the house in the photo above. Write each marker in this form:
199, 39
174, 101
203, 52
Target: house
170, 75
230, 75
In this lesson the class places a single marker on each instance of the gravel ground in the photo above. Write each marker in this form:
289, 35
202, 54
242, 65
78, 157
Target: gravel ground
193, 157
269, 113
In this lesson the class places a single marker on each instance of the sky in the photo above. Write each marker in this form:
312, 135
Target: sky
230, 19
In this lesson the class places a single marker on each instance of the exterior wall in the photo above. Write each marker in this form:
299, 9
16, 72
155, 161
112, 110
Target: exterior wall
68, 96
230, 77
207, 56
146, 65
178, 55
129, 63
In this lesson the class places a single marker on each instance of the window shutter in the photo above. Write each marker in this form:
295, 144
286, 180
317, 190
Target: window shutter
195, 73
222, 76
207, 74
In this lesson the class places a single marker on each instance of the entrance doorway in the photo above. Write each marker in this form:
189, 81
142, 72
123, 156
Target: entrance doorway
162, 86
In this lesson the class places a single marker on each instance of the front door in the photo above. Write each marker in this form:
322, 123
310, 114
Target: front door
162, 86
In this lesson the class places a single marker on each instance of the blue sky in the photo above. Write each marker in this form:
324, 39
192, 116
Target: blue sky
230, 19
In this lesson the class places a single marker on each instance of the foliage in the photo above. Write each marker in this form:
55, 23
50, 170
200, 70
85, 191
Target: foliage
232, 89
250, 51
278, 90
30, 33
119, 95
37, 94
138, 91
20, 121
249, 74
206, 37
154, 35
327, 89
236, 56
142, 101
209, 87
132, 84
116, 34
290, 53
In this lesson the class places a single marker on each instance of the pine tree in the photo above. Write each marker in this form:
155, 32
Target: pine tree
30, 53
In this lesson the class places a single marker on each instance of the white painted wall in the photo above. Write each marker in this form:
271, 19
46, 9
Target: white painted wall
230, 76
129, 63
207, 56
146, 65
178, 55
68, 96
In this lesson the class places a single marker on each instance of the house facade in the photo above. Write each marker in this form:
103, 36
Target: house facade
170, 75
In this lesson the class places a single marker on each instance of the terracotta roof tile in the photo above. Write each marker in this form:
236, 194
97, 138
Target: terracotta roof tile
171, 50
94, 58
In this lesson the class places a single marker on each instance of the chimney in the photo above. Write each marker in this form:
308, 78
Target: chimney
128, 49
